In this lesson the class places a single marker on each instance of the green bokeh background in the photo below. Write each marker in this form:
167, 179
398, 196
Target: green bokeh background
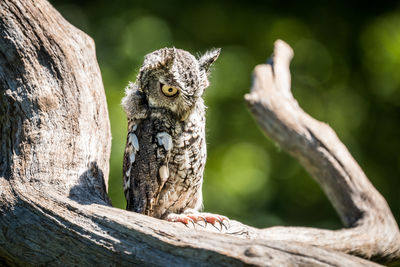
346, 72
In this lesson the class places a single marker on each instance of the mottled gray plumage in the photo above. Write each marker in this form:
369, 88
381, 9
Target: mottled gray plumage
165, 152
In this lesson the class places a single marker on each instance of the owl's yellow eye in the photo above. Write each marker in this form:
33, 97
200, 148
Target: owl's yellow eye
168, 90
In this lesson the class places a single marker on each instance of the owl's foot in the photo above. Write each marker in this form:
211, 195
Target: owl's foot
197, 217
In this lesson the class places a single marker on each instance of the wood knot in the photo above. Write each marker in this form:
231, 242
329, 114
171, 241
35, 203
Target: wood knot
253, 251
47, 103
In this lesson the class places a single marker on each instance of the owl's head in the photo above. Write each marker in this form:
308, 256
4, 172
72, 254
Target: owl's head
174, 79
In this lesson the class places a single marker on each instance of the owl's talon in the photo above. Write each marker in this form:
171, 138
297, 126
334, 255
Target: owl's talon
195, 218
214, 218
203, 219
224, 225
217, 227
222, 220
190, 220
202, 225
182, 218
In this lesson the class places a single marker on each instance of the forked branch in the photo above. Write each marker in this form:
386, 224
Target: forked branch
55, 143
372, 231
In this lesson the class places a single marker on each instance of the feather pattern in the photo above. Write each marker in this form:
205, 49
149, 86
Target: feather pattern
165, 151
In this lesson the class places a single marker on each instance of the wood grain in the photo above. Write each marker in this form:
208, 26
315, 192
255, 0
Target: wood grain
371, 230
55, 146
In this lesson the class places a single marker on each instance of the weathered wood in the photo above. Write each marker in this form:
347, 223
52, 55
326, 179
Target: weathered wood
372, 231
54, 147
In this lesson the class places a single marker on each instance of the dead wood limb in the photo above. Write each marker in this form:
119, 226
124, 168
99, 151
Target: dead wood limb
372, 231
54, 147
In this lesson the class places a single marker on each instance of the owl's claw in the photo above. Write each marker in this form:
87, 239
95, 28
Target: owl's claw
192, 223
183, 218
197, 217
213, 218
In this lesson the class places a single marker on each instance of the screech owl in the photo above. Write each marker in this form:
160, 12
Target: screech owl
165, 150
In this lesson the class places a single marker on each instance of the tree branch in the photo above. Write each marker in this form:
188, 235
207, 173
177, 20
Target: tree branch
55, 145
372, 230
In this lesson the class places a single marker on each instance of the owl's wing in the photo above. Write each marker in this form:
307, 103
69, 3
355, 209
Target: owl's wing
145, 167
131, 149
135, 176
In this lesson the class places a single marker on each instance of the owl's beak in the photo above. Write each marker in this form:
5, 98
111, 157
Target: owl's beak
185, 116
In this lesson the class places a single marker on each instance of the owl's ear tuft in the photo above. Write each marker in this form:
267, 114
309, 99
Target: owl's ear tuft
169, 58
162, 58
208, 59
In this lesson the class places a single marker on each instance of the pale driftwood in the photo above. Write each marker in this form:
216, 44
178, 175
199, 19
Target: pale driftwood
54, 147
372, 230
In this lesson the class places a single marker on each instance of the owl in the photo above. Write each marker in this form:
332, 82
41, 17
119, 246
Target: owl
165, 150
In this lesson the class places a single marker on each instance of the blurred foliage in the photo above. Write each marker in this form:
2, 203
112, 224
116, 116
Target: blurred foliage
346, 72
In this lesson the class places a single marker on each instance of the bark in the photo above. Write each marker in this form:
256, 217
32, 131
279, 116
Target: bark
55, 146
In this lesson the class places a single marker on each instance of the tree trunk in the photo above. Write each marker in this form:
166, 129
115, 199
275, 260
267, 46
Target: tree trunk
55, 146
